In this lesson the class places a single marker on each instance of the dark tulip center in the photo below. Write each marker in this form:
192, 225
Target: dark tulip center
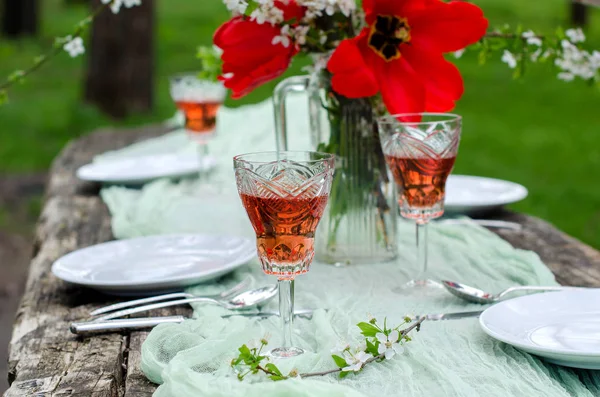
387, 33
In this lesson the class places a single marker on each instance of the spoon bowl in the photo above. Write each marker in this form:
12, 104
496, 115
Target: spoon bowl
467, 293
245, 300
253, 297
472, 294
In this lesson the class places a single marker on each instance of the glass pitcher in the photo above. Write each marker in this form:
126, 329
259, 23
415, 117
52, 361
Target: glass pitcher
359, 225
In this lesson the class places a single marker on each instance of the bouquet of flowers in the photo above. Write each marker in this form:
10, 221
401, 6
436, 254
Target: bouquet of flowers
390, 47
384, 55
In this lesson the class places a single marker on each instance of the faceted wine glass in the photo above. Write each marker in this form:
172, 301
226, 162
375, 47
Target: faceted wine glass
284, 194
199, 100
420, 149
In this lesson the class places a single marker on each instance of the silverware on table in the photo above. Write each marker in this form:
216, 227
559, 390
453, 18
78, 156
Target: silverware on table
449, 316
245, 300
176, 295
476, 295
492, 223
149, 322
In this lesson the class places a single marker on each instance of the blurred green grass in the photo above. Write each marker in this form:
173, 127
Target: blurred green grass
538, 131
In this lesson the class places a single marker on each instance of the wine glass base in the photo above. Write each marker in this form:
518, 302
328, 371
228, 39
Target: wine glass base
418, 287
286, 352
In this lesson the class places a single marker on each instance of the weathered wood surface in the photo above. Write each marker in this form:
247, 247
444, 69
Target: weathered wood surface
46, 360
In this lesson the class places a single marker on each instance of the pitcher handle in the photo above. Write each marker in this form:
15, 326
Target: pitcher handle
291, 84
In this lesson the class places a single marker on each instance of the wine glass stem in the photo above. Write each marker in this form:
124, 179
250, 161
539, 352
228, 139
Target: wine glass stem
286, 309
422, 248
202, 154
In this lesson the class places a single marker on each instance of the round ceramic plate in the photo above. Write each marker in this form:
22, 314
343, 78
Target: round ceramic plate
157, 263
140, 169
562, 327
473, 194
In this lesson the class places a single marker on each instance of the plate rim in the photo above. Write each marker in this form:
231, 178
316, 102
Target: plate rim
539, 350
523, 192
242, 260
80, 173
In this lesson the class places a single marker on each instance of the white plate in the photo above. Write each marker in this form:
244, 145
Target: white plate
562, 327
135, 170
146, 264
472, 194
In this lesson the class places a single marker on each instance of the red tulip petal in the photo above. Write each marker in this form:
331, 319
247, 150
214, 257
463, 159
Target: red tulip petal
400, 8
249, 57
442, 80
291, 10
401, 88
243, 83
239, 31
351, 75
447, 27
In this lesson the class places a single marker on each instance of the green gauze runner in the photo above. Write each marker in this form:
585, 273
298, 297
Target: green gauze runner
450, 358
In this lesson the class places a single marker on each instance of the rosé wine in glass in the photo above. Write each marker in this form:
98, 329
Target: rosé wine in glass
199, 101
420, 149
285, 231
284, 194
421, 181
200, 117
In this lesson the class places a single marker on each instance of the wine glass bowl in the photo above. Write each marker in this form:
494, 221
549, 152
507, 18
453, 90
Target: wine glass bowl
285, 195
420, 149
199, 101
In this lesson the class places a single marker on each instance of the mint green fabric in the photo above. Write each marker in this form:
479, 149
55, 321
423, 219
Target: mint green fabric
451, 358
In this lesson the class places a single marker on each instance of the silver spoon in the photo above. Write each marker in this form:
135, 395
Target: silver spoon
176, 295
245, 300
472, 294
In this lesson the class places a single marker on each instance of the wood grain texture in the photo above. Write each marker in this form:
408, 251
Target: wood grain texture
46, 360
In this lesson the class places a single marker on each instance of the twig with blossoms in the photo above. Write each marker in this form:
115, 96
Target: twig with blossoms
381, 343
72, 44
563, 49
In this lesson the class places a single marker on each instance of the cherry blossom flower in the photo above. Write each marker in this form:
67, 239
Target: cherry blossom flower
388, 345
74, 46
509, 59
355, 361
340, 348
575, 35
531, 38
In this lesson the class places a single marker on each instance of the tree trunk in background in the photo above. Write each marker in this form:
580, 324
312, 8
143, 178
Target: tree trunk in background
20, 17
579, 14
121, 61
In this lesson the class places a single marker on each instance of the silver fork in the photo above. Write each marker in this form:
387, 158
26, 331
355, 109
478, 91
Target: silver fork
176, 295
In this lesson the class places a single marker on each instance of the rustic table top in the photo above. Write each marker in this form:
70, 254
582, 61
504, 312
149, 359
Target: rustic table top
47, 360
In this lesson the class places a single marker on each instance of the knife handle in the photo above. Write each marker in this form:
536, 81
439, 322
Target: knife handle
123, 324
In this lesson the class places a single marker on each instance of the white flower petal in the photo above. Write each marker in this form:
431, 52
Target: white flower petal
381, 337
389, 353
394, 336
398, 348
381, 348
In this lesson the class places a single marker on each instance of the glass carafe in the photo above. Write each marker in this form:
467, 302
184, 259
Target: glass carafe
359, 224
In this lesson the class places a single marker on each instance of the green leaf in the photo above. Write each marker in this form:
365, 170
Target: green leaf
344, 374
368, 329
3, 97
372, 347
339, 361
276, 377
273, 368
245, 352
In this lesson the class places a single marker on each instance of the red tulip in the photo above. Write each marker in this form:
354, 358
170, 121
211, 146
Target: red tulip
400, 54
249, 56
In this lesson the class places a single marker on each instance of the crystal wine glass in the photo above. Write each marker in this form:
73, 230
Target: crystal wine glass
420, 149
285, 194
199, 100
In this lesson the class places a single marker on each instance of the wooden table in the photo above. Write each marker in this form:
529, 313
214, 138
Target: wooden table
46, 360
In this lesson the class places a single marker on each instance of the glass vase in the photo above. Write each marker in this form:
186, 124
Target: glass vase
359, 225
